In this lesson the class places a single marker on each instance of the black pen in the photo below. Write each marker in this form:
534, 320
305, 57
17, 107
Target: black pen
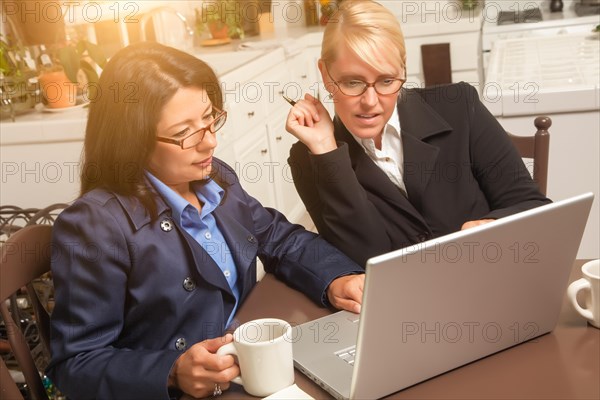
292, 102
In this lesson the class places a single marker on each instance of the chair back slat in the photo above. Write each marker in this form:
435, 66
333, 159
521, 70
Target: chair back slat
537, 148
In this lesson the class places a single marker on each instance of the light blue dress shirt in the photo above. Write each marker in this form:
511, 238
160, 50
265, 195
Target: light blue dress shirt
203, 226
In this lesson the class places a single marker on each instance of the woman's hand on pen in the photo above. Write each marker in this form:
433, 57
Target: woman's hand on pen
310, 122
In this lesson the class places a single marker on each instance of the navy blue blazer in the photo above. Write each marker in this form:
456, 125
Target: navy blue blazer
459, 165
132, 294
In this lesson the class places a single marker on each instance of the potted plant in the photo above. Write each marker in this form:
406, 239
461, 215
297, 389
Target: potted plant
18, 85
222, 18
73, 72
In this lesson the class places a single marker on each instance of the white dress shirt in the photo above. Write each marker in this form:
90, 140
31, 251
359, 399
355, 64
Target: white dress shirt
390, 158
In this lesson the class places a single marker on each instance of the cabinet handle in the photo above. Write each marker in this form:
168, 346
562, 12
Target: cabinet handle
303, 76
251, 114
263, 151
278, 138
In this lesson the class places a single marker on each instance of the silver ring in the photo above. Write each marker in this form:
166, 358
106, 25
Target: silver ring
217, 391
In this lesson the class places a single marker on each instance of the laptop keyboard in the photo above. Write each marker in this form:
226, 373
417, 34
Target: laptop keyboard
347, 354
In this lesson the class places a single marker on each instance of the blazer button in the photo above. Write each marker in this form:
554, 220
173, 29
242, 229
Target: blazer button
189, 284
251, 239
166, 225
180, 344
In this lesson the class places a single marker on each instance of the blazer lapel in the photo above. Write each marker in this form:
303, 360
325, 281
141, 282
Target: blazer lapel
206, 266
370, 176
418, 121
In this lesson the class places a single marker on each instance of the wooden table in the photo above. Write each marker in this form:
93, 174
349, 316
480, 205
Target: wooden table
563, 364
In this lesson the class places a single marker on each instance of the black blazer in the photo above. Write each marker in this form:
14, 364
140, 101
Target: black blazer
459, 165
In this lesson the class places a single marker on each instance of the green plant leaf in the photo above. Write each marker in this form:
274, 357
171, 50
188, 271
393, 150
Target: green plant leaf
69, 59
81, 47
5, 66
96, 53
90, 72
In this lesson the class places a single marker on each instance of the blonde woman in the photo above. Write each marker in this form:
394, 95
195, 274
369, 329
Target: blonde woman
397, 166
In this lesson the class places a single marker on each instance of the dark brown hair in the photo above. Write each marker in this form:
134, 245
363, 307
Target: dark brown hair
120, 135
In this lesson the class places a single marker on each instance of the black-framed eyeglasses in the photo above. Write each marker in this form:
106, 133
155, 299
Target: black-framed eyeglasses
193, 139
356, 87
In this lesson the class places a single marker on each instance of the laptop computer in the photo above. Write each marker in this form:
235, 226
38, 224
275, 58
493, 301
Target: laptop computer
441, 304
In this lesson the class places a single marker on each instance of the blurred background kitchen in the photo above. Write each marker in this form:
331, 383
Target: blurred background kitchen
526, 58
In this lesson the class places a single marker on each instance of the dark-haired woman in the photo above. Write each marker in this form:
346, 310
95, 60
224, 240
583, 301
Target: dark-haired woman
154, 258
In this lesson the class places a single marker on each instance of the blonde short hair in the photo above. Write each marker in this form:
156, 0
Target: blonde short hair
367, 28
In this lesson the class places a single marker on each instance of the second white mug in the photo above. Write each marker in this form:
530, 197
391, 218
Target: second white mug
590, 282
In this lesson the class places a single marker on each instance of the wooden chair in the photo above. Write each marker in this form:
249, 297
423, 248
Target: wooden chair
435, 59
537, 148
12, 219
437, 70
25, 256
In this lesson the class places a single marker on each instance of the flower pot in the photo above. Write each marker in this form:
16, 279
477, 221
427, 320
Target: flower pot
58, 90
218, 30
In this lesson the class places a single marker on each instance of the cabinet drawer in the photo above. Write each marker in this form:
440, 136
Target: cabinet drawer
274, 83
303, 76
254, 166
249, 102
244, 106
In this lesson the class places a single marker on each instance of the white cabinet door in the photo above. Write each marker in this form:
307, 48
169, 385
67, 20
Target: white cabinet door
280, 142
303, 74
254, 167
40, 174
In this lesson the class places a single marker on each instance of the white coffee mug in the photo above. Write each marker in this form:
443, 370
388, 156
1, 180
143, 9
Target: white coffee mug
590, 282
263, 348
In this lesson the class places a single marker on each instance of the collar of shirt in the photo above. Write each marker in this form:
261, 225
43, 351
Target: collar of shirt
209, 193
390, 159
391, 136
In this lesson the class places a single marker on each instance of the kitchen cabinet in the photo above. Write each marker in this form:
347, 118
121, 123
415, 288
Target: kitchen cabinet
255, 142
39, 174
303, 74
280, 142
40, 158
253, 163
